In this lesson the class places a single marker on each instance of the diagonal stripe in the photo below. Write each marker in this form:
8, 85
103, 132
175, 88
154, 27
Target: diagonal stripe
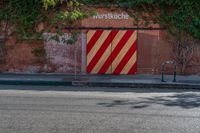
102, 61
127, 62
124, 55
115, 52
133, 70
130, 64
119, 67
115, 41
118, 38
97, 45
90, 34
93, 39
100, 52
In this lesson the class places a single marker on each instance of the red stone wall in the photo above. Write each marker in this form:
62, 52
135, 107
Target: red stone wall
114, 23
62, 55
153, 49
19, 57
90, 22
153, 46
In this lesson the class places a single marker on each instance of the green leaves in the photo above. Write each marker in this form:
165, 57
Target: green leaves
73, 15
185, 16
25, 15
22, 14
174, 14
52, 3
49, 3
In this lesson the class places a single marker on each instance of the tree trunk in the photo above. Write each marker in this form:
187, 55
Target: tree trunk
183, 68
2, 49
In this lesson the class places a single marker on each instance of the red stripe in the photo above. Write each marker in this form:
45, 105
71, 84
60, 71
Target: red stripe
115, 52
125, 59
102, 49
133, 70
93, 40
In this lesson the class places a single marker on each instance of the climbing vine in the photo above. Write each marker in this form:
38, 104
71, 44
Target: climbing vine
25, 15
173, 14
183, 15
22, 14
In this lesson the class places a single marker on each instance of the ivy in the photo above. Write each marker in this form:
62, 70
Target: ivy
23, 15
174, 14
26, 14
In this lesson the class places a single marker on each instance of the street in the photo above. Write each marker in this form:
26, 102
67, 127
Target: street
48, 109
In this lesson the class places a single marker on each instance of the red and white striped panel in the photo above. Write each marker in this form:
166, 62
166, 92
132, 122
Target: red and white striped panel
111, 52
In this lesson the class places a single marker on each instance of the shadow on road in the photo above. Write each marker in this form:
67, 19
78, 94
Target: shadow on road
186, 101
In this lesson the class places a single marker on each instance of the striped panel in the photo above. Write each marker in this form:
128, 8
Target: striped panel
111, 52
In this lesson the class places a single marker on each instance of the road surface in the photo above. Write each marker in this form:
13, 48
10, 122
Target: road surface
34, 109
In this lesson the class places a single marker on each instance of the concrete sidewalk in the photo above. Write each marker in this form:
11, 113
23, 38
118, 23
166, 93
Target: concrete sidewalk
134, 81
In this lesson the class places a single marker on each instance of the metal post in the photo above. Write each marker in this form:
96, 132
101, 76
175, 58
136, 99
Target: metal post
75, 64
163, 69
84, 57
163, 73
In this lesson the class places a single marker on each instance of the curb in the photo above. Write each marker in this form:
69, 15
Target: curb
100, 84
137, 85
40, 83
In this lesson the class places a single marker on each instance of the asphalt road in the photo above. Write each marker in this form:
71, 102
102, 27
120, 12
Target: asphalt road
33, 109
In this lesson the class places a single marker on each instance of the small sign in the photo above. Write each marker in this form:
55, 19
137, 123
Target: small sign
117, 16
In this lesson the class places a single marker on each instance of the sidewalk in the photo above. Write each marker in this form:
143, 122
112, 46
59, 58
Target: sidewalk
132, 81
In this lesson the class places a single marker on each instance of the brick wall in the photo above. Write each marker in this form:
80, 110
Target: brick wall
62, 55
153, 49
153, 46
